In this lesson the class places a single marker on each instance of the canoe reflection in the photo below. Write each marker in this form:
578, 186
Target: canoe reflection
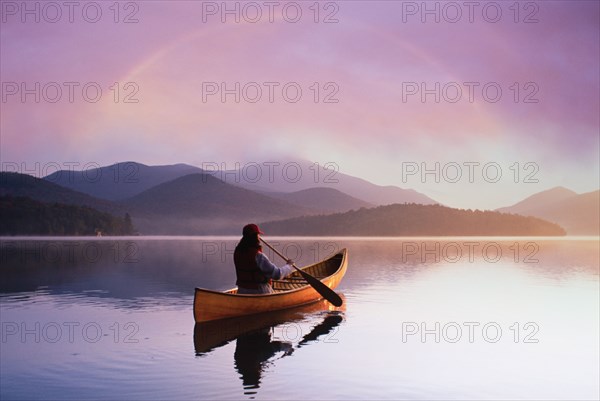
256, 349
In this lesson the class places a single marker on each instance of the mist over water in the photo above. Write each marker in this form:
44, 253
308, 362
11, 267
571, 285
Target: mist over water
423, 318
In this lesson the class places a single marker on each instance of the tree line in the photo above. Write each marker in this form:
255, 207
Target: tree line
414, 220
25, 216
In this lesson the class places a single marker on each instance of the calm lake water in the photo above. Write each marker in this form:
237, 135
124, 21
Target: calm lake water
451, 318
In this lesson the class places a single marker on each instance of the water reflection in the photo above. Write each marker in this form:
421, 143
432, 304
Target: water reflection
552, 283
133, 273
329, 323
255, 351
136, 271
257, 346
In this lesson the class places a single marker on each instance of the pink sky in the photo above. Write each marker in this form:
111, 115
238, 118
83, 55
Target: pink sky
370, 54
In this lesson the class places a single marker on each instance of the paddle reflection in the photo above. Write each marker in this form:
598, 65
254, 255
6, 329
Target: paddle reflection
322, 329
257, 346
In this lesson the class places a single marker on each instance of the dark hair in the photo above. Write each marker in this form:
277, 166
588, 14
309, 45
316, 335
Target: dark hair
250, 241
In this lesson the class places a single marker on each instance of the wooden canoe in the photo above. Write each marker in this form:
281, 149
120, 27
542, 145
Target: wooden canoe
288, 293
216, 333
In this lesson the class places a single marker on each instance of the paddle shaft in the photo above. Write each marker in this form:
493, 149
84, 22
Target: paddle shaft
315, 283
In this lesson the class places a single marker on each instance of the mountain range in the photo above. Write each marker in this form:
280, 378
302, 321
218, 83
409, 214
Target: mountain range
184, 199
298, 175
193, 203
119, 181
577, 213
201, 203
23, 185
124, 180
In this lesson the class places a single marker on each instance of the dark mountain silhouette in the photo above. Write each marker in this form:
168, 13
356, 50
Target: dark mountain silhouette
414, 220
297, 175
121, 180
127, 179
23, 185
203, 204
25, 216
323, 200
579, 214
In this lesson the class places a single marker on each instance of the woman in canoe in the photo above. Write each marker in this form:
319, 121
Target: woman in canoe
253, 269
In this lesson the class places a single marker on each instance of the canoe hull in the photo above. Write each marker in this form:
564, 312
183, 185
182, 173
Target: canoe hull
216, 333
214, 305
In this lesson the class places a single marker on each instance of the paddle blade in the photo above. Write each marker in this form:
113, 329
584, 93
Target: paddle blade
322, 289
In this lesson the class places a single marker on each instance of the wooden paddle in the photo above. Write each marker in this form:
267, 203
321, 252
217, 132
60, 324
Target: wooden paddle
315, 283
